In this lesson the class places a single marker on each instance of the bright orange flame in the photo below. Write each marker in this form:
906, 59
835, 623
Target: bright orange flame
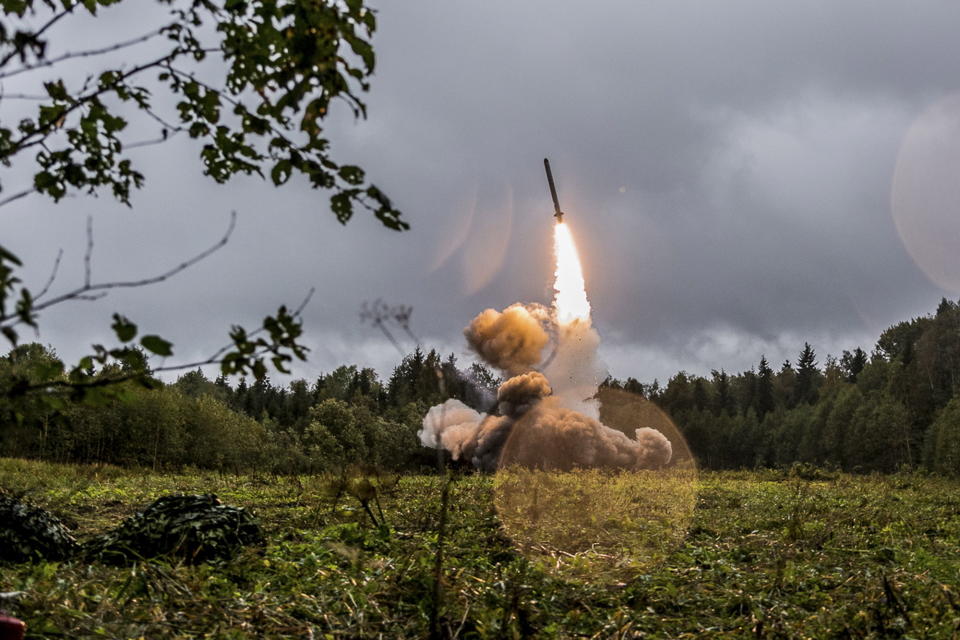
571, 294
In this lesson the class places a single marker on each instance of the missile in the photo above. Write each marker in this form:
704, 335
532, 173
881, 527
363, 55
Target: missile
553, 192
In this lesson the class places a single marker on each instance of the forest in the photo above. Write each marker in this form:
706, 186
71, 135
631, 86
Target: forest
896, 408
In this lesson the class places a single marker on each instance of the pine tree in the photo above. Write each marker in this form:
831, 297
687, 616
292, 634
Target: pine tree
724, 402
764, 400
785, 382
701, 397
836, 432
852, 363
677, 398
805, 391
632, 385
745, 390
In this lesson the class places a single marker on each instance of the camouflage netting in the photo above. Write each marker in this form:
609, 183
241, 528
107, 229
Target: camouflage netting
195, 528
31, 533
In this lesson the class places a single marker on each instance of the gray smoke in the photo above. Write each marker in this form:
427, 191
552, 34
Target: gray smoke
543, 424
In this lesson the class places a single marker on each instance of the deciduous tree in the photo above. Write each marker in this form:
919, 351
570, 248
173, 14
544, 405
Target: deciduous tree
251, 82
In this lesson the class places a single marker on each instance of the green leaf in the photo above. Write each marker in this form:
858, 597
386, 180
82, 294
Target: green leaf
281, 172
125, 330
10, 334
351, 174
9, 257
156, 344
56, 90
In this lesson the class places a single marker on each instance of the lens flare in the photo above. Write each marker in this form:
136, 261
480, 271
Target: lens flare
925, 193
571, 294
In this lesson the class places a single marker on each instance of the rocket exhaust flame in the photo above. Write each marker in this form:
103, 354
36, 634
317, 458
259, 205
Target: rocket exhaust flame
570, 291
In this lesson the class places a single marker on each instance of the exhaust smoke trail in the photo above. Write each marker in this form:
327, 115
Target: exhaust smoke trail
573, 367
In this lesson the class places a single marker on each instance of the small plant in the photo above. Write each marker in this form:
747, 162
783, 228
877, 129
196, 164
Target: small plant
365, 488
808, 471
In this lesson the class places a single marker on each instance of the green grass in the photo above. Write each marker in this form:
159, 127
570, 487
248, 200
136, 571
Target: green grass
762, 555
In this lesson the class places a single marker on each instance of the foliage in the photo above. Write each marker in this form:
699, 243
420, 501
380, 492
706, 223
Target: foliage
943, 447
252, 83
895, 408
342, 418
283, 64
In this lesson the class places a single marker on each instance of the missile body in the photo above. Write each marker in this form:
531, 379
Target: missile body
558, 214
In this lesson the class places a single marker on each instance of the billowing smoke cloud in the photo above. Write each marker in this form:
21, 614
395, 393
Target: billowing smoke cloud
465, 433
548, 419
517, 395
512, 341
553, 437
452, 425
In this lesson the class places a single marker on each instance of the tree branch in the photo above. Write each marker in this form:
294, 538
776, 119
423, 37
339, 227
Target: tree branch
88, 254
151, 142
95, 291
167, 132
27, 140
53, 276
22, 96
127, 284
215, 358
17, 196
52, 21
80, 54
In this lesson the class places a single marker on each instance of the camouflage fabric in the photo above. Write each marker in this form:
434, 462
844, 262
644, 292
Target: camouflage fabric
31, 533
193, 528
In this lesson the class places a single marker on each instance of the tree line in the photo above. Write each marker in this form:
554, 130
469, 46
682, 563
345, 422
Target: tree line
349, 416
896, 407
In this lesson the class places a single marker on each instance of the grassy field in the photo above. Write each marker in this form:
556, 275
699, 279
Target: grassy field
756, 555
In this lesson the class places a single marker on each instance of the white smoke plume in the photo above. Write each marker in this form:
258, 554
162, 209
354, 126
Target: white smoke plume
548, 419
451, 425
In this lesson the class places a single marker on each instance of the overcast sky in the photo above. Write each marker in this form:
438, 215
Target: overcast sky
740, 176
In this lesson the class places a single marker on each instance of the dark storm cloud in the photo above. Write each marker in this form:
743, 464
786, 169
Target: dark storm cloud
726, 166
